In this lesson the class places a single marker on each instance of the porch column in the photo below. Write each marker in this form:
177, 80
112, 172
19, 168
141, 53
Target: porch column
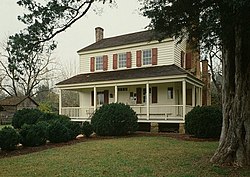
116, 94
184, 98
193, 96
147, 98
60, 101
95, 98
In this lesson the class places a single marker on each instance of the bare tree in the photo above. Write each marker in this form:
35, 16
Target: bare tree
213, 53
22, 77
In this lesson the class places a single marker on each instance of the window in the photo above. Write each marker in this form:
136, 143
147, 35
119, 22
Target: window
170, 93
182, 58
100, 98
147, 57
99, 63
122, 60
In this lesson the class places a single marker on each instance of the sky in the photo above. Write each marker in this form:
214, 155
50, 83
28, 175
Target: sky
115, 20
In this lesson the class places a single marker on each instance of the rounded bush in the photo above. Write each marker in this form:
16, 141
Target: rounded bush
58, 132
73, 127
9, 138
34, 135
87, 129
114, 119
48, 117
25, 116
204, 122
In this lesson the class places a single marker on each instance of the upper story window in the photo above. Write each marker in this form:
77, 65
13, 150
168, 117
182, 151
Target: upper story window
147, 57
122, 60
99, 63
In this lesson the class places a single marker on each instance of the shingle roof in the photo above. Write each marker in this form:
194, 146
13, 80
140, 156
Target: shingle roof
132, 38
136, 73
13, 101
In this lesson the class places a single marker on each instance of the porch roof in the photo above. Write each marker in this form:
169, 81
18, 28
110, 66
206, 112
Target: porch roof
135, 73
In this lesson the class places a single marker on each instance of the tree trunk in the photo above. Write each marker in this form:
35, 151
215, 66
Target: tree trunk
234, 145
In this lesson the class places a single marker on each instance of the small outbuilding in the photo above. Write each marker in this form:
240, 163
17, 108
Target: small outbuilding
10, 105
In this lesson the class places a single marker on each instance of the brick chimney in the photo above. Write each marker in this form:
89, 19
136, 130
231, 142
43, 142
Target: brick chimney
98, 33
193, 58
206, 90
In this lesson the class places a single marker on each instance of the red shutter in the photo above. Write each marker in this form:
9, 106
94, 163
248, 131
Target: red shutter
106, 97
138, 58
128, 57
154, 56
114, 61
182, 58
138, 96
188, 60
92, 64
154, 95
105, 62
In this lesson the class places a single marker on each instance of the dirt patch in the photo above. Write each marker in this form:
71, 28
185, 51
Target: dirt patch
28, 150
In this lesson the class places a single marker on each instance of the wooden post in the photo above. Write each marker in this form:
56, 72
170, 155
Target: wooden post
116, 94
95, 94
147, 99
184, 98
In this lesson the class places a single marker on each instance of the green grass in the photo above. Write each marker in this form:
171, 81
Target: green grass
135, 156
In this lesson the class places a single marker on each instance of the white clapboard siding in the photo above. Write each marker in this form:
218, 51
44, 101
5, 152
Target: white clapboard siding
165, 54
177, 51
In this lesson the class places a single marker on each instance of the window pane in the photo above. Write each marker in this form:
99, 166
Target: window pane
147, 57
100, 98
170, 93
122, 60
99, 63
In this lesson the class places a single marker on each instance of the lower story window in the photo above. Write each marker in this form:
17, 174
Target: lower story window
100, 98
170, 93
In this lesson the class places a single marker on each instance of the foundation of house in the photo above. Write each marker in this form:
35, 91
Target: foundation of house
182, 128
154, 127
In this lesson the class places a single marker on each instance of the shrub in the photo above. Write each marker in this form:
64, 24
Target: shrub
9, 138
114, 119
87, 129
25, 116
204, 122
49, 117
74, 128
34, 135
58, 132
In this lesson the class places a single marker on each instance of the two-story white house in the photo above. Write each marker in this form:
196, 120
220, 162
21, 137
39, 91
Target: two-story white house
160, 80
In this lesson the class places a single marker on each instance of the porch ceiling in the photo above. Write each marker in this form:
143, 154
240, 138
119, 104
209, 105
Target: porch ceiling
137, 73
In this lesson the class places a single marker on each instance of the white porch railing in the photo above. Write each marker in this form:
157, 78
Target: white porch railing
157, 113
78, 112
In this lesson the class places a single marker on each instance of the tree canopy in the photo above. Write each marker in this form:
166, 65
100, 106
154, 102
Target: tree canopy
28, 51
209, 22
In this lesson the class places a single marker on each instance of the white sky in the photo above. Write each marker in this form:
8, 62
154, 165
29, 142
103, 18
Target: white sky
123, 19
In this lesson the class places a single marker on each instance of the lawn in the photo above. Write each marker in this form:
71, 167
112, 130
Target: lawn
133, 156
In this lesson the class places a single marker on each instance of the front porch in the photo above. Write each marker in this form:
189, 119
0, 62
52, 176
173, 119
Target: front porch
155, 101
157, 113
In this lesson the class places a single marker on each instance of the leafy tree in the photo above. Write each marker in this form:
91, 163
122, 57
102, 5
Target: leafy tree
47, 99
28, 51
206, 22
